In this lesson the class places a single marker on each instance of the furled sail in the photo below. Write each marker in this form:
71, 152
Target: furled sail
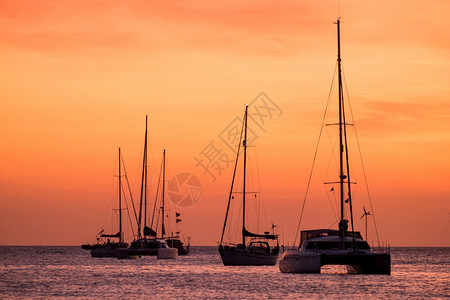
245, 232
149, 231
111, 235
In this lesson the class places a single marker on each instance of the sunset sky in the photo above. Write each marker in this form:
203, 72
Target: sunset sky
78, 77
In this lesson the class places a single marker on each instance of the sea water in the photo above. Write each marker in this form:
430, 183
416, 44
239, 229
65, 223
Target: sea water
71, 272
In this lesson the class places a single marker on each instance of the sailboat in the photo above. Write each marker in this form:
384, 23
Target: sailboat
337, 247
257, 251
108, 248
146, 243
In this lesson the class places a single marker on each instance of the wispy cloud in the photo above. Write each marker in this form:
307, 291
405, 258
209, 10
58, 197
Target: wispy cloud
413, 117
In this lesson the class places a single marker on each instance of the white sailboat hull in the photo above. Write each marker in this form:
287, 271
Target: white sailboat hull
294, 261
167, 253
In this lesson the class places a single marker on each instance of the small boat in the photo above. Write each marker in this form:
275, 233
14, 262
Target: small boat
109, 248
337, 247
257, 251
175, 242
147, 246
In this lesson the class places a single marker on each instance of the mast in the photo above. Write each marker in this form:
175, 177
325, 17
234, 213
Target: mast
146, 178
343, 226
162, 196
341, 150
120, 202
143, 183
341, 146
245, 170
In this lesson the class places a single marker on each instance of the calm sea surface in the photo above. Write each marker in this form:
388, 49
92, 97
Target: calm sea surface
68, 272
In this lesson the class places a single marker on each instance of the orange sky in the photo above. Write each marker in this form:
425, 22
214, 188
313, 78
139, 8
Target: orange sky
78, 78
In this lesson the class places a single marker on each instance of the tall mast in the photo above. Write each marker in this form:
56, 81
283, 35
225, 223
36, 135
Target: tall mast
162, 196
341, 146
245, 170
146, 178
343, 226
120, 201
143, 183
342, 177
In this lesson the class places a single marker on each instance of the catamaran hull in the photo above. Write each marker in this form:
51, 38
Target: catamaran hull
356, 262
231, 257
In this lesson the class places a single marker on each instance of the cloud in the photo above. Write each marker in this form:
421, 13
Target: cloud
389, 118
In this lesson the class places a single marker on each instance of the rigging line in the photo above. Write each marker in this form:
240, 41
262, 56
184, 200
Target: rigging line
315, 156
329, 200
128, 211
363, 168
255, 205
129, 189
333, 156
232, 184
156, 196
349, 191
103, 217
260, 195
334, 223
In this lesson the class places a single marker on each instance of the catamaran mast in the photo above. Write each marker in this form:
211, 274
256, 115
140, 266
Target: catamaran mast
162, 196
146, 178
245, 170
120, 202
343, 148
342, 223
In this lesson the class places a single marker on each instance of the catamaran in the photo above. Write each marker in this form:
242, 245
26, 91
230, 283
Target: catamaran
330, 246
146, 242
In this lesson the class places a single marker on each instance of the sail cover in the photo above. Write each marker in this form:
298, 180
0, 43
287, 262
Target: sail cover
245, 232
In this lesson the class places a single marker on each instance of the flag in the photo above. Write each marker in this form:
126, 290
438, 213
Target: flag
177, 214
332, 189
178, 220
